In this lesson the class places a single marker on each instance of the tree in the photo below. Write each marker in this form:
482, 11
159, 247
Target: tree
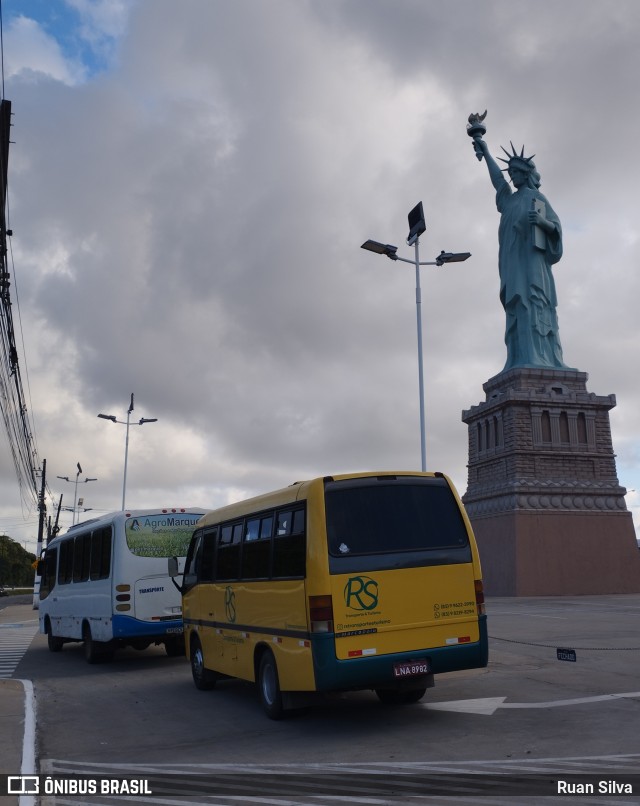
16, 564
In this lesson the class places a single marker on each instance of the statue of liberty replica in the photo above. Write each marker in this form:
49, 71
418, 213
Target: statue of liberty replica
530, 243
543, 496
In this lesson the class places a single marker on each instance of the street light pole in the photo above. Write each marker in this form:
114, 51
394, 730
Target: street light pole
423, 436
127, 422
417, 226
126, 452
75, 490
75, 494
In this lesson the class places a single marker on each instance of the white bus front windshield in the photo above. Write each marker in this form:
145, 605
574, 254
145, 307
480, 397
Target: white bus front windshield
161, 535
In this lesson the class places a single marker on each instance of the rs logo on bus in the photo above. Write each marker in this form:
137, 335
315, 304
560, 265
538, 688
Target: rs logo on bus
230, 604
361, 593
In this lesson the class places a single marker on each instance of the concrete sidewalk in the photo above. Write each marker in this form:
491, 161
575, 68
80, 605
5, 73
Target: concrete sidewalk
14, 710
12, 719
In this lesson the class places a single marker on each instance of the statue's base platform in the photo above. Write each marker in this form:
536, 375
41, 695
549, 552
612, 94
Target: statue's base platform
543, 495
558, 553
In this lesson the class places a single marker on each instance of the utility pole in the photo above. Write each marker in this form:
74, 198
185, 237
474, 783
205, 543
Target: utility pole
56, 527
42, 507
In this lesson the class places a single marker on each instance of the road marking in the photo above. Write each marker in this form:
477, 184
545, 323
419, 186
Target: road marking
349, 783
28, 765
527, 615
487, 706
15, 639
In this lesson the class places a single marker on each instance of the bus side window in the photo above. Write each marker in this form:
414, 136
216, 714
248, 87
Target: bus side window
256, 551
266, 526
228, 560
284, 523
205, 571
100, 562
65, 568
252, 531
48, 581
192, 562
81, 557
297, 526
289, 547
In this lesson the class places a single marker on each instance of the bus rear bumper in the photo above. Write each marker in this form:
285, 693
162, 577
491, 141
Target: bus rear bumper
377, 671
127, 627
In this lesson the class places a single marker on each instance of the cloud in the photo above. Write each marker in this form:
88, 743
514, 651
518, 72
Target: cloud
188, 224
31, 52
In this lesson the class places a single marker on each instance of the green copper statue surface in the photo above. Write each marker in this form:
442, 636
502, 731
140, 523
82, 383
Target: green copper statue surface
530, 242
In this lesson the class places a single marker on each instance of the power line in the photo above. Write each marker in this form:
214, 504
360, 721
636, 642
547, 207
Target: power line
12, 398
2, 48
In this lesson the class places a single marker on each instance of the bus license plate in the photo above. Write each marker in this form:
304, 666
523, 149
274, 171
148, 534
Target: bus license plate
411, 668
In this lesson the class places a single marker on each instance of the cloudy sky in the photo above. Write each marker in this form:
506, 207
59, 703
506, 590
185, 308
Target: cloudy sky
189, 186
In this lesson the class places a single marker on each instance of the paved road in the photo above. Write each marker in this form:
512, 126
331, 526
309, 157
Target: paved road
528, 714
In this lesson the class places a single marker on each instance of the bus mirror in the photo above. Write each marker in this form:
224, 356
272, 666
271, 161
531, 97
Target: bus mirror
173, 566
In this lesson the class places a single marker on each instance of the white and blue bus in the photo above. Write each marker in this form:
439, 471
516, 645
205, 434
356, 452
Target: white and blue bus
105, 583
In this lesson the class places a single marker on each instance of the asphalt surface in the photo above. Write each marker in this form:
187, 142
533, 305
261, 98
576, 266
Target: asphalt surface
524, 636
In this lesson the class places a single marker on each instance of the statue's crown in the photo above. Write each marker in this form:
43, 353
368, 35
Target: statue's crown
517, 160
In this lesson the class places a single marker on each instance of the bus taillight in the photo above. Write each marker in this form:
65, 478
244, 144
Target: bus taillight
479, 597
321, 613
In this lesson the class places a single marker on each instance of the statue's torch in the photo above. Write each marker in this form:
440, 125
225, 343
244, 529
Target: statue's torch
476, 129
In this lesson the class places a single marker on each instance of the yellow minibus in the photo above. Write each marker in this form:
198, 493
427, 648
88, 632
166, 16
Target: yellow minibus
342, 583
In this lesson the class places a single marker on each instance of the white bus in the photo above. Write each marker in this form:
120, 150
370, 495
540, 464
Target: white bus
105, 582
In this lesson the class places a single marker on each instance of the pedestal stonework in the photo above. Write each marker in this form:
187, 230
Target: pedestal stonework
543, 496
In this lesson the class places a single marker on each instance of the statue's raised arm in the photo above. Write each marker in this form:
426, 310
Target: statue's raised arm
495, 171
530, 242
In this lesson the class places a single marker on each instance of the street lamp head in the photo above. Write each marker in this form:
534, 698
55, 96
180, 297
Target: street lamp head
86, 480
417, 224
108, 417
451, 257
144, 420
64, 478
381, 248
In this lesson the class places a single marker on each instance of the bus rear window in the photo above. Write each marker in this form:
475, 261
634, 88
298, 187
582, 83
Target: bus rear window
371, 516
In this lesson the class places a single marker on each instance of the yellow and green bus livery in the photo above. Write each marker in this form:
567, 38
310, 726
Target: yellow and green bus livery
342, 583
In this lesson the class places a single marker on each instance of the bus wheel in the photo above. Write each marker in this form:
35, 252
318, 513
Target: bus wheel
204, 679
269, 686
95, 651
174, 647
413, 695
53, 642
394, 696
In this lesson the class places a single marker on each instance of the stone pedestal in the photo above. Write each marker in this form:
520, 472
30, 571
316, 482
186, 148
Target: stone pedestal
543, 496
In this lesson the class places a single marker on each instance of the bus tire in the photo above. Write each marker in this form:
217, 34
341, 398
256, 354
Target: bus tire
95, 651
269, 686
174, 647
204, 679
394, 696
413, 695
53, 641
